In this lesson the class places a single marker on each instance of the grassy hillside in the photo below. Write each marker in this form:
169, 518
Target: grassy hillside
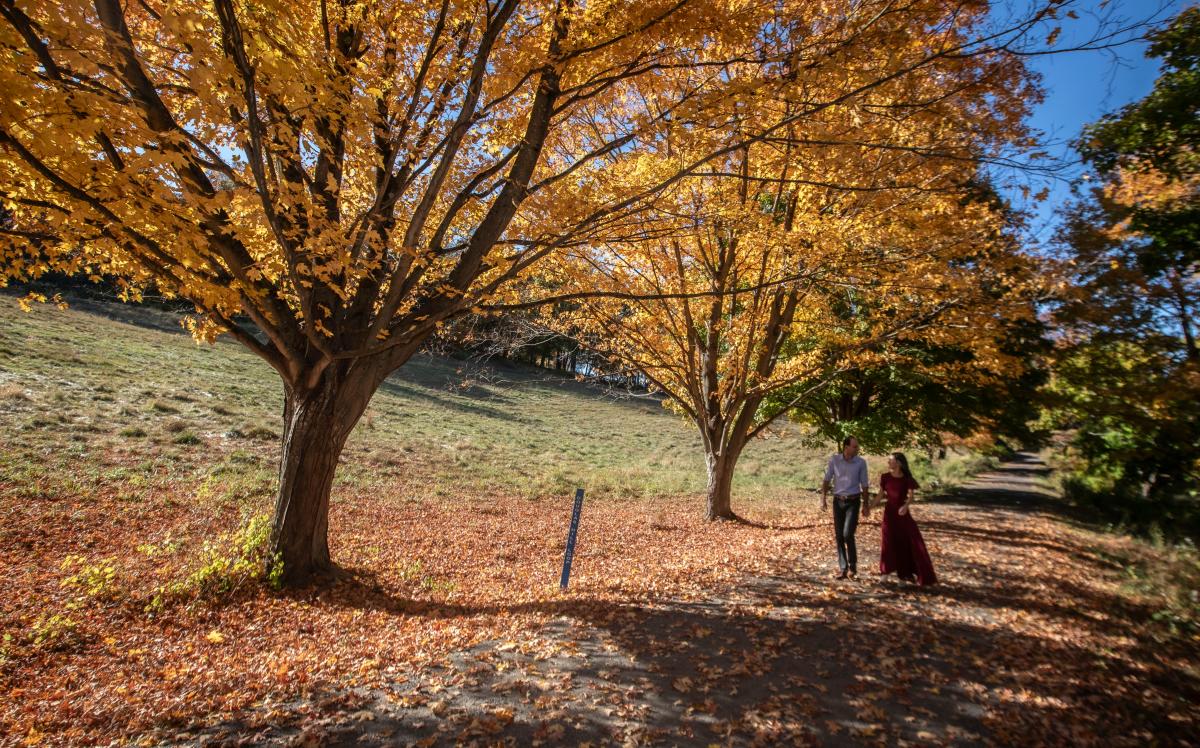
107, 392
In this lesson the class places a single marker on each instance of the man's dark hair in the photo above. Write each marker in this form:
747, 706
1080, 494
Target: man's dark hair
847, 440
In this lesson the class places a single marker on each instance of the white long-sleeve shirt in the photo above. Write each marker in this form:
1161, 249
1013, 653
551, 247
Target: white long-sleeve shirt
847, 477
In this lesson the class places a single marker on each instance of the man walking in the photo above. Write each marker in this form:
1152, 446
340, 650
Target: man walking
846, 474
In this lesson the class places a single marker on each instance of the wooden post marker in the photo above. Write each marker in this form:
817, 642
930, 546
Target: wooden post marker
566, 574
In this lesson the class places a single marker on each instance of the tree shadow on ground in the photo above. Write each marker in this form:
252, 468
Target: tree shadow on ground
1013, 539
759, 664
1018, 485
460, 401
682, 674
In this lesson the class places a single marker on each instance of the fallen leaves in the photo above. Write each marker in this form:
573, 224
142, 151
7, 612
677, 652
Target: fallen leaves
739, 626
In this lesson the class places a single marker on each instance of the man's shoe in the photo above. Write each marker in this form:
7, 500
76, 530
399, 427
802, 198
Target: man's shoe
841, 575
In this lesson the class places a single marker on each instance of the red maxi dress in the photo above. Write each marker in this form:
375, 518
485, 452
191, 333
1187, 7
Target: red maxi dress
902, 549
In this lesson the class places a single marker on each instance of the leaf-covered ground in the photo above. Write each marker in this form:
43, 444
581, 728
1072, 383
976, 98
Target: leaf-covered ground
673, 631
131, 459
1028, 640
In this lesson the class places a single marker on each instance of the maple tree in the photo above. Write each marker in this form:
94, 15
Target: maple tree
330, 185
932, 406
1148, 205
850, 240
740, 325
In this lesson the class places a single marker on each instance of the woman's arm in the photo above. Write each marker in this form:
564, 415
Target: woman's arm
881, 497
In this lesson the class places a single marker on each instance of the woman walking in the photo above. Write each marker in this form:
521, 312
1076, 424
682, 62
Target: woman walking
902, 549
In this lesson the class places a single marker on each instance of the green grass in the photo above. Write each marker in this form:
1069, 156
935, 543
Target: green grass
105, 383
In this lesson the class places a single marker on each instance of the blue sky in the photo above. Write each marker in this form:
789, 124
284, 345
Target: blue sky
1082, 86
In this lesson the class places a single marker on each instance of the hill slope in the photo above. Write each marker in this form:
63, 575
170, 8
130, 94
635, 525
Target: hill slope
109, 377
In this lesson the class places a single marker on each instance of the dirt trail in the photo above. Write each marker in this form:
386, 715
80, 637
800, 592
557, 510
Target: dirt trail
1024, 641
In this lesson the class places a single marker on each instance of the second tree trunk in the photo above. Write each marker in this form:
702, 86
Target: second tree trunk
720, 485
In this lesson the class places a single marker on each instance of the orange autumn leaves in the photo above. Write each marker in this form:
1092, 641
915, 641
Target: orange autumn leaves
337, 177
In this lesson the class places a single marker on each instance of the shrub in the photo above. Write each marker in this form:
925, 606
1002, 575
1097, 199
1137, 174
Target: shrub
167, 547
56, 631
93, 580
1115, 500
13, 392
232, 563
259, 433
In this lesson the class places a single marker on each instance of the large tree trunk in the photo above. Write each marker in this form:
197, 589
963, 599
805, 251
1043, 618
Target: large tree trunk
317, 422
1185, 316
720, 485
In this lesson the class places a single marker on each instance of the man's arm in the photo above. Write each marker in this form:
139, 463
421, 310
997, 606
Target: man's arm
825, 485
864, 485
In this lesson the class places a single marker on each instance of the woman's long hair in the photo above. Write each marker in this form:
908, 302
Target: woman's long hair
900, 458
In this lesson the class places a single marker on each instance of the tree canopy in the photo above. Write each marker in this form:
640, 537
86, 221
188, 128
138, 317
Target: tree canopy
1127, 375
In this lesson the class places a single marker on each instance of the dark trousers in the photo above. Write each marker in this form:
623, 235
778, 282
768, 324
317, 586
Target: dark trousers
845, 522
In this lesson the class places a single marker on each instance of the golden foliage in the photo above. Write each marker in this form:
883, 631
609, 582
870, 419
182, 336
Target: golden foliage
753, 281
351, 179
